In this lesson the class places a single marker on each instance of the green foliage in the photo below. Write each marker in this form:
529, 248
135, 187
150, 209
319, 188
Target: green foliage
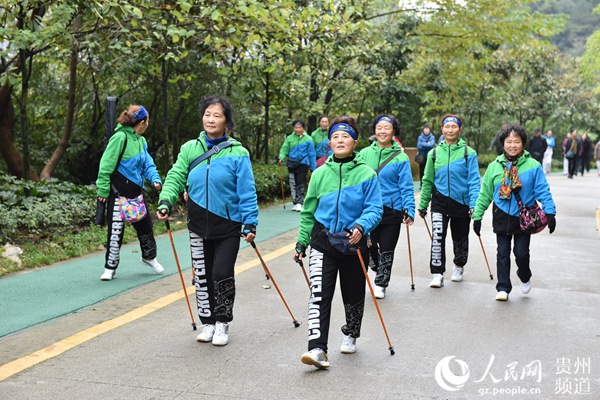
52, 206
268, 183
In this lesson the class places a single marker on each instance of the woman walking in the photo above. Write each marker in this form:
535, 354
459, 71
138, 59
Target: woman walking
392, 166
425, 142
299, 151
221, 204
123, 167
321, 141
512, 176
451, 184
343, 195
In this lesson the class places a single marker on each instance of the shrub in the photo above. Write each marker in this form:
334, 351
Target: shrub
41, 207
268, 185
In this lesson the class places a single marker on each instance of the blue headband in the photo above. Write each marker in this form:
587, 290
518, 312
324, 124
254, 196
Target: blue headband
344, 128
451, 119
386, 119
140, 114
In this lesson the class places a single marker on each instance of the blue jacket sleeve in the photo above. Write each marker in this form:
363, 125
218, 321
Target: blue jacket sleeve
407, 189
474, 180
246, 191
312, 156
542, 192
150, 171
372, 206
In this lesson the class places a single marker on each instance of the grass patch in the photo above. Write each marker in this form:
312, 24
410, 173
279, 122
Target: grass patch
40, 251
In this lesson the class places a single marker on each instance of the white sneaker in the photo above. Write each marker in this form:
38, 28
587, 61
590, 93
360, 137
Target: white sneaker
108, 274
206, 336
526, 287
221, 337
437, 281
379, 292
297, 207
502, 296
348, 345
457, 274
316, 357
156, 267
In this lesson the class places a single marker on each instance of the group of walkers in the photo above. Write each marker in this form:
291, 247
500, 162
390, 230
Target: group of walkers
352, 209
578, 152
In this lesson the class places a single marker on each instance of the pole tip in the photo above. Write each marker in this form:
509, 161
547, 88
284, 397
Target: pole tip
412, 287
296, 324
491, 277
194, 326
392, 352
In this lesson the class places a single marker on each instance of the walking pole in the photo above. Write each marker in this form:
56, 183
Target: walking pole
266, 285
362, 264
390, 348
296, 323
485, 256
427, 226
281, 183
180, 274
299, 261
412, 281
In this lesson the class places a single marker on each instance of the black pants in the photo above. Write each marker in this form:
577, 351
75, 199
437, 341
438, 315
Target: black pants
573, 165
421, 172
116, 228
383, 243
298, 183
521, 252
460, 241
323, 275
213, 262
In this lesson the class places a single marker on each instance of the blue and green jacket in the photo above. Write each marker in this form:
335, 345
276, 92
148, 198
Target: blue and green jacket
221, 190
135, 165
340, 195
534, 188
320, 141
395, 179
452, 184
299, 148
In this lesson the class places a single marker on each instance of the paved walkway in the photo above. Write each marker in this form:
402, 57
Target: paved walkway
454, 342
36, 296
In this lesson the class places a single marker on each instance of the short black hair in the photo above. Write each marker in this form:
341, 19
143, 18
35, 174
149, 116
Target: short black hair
395, 123
228, 110
517, 129
426, 126
298, 121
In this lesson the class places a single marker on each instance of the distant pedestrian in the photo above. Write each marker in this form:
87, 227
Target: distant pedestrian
514, 171
495, 144
425, 142
537, 146
124, 166
597, 156
564, 148
451, 184
573, 153
320, 140
342, 194
299, 152
587, 148
547, 164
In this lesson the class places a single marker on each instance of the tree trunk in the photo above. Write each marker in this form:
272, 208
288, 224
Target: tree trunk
165, 103
10, 153
64, 141
266, 128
